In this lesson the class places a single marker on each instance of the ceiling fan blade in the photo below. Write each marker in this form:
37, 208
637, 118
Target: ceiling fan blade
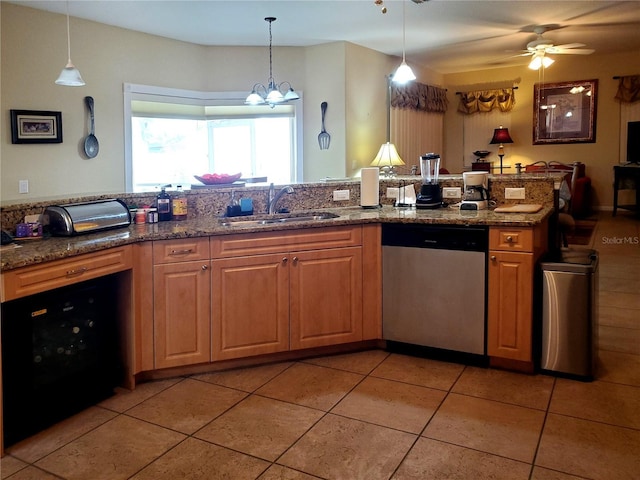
570, 51
570, 45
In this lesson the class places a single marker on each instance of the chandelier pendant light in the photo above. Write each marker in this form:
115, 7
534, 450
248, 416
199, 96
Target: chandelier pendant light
272, 94
404, 73
70, 75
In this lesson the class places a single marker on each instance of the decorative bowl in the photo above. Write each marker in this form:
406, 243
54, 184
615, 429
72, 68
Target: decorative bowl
217, 178
481, 153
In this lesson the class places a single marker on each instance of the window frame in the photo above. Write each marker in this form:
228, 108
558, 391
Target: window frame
193, 97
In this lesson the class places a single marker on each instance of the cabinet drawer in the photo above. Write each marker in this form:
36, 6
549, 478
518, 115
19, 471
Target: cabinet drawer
511, 239
59, 273
182, 250
226, 246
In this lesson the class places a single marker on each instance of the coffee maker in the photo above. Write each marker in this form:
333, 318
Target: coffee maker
476, 191
430, 195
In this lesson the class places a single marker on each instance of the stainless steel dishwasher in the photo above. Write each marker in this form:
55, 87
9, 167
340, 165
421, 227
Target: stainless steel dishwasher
434, 286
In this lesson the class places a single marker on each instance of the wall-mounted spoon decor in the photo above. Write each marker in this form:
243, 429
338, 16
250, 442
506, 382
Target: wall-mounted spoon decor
91, 145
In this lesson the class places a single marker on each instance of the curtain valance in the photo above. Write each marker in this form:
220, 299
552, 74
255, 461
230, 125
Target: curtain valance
629, 89
486, 100
418, 96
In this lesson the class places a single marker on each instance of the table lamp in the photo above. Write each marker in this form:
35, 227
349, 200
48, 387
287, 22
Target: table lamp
501, 136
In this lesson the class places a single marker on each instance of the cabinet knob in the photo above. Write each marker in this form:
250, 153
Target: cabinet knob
295, 260
284, 260
509, 239
205, 267
493, 258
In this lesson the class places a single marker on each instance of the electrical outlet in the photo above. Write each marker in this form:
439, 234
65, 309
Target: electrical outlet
451, 192
392, 192
340, 195
23, 186
514, 193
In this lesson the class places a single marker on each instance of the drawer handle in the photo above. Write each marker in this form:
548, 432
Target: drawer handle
186, 251
493, 258
78, 271
509, 239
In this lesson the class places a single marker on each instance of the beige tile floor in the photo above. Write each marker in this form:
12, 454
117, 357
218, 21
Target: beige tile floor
373, 415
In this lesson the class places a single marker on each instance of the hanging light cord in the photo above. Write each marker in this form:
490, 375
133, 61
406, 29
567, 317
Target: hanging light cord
404, 35
271, 81
68, 37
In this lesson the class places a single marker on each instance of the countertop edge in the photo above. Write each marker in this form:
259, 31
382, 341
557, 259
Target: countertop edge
33, 252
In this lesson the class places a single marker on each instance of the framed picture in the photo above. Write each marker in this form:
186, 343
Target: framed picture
564, 112
32, 126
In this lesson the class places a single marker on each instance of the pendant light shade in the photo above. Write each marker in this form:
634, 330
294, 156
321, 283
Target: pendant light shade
272, 94
70, 75
404, 73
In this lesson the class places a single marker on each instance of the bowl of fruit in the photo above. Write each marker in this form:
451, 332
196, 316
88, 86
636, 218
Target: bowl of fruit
217, 178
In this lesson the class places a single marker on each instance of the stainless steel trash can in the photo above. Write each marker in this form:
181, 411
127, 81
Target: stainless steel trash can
569, 332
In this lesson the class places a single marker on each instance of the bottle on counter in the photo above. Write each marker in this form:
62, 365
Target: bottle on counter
179, 204
164, 206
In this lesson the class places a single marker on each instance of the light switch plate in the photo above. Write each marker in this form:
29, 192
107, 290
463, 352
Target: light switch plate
514, 193
340, 195
23, 186
392, 192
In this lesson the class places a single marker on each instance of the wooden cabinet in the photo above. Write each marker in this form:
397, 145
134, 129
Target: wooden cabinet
326, 297
513, 253
250, 306
181, 294
276, 291
59, 273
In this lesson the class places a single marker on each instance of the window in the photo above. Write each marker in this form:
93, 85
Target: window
172, 135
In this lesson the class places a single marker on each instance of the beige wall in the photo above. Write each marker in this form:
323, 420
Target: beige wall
350, 78
34, 51
600, 157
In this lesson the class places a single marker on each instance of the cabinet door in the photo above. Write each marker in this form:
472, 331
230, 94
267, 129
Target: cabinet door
181, 314
250, 306
510, 305
326, 297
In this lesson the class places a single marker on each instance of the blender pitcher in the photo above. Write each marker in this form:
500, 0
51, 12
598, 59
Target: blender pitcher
430, 195
429, 168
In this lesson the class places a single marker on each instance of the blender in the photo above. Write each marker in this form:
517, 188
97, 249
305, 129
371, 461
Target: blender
476, 191
430, 195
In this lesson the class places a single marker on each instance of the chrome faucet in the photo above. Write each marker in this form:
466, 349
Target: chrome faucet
274, 198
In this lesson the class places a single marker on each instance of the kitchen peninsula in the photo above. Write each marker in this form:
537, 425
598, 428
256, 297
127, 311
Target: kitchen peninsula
187, 288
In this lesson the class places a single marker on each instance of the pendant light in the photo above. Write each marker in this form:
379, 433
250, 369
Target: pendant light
404, 73
271, 94
70, 75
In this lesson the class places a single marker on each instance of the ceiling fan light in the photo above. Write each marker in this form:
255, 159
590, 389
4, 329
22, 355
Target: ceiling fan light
403, 74
547, 61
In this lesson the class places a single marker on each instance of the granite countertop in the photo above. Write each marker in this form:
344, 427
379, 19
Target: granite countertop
30, 252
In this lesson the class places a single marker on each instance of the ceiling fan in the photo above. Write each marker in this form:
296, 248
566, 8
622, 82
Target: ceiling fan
541, 47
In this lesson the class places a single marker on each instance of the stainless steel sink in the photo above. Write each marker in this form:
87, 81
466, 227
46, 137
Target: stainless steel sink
293, 217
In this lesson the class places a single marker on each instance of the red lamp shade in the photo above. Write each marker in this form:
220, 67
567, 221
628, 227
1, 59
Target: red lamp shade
501, 135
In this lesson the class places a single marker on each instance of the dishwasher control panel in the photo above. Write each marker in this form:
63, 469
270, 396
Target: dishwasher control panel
447, 237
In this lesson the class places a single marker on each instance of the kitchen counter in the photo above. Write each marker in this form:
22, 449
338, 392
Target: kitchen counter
30, 252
